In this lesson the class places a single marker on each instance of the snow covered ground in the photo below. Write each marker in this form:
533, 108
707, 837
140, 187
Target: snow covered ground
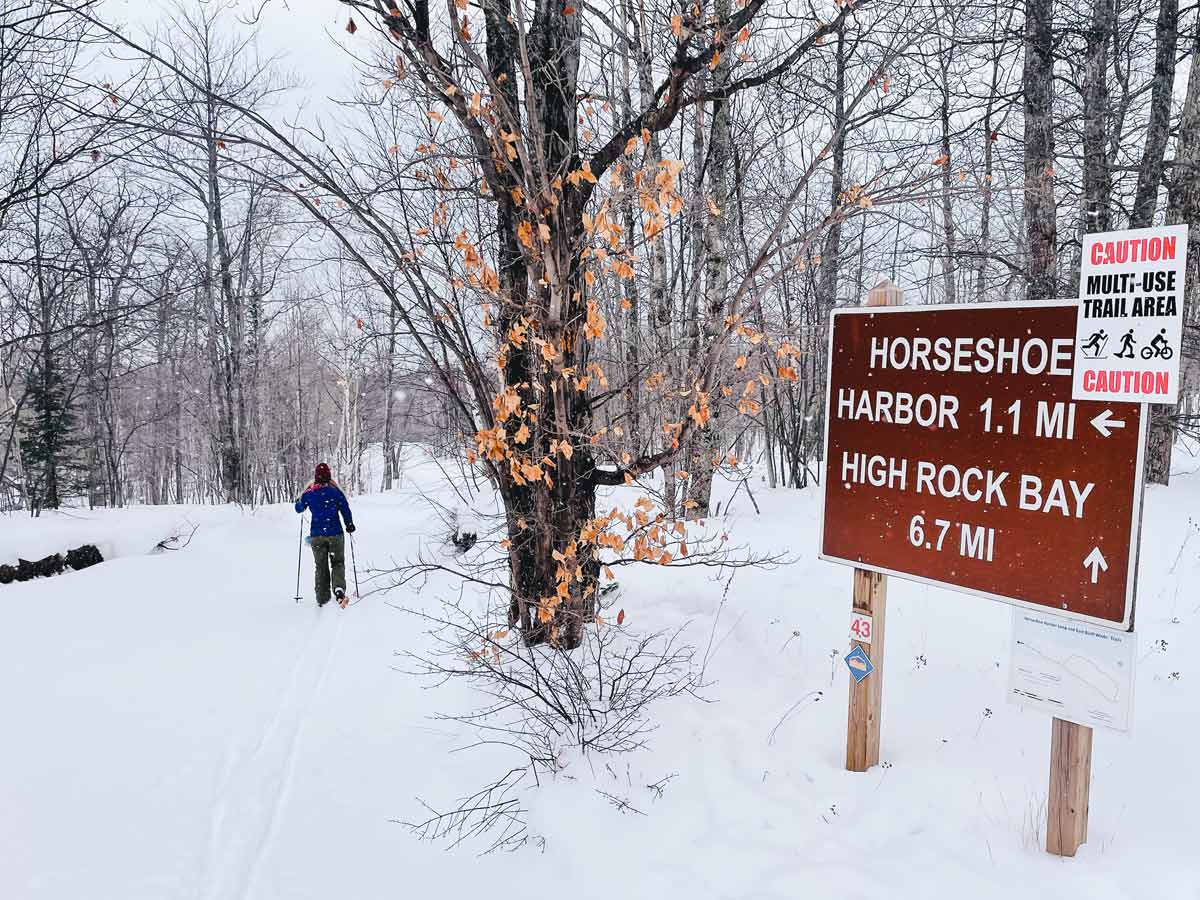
175, 726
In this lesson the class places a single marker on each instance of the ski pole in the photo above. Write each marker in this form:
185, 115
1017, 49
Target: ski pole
353, 564
299, 558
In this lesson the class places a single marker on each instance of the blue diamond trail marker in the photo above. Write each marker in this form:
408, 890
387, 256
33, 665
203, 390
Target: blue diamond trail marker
859, 664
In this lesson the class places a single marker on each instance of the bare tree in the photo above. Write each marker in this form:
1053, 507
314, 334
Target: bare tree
1041, 217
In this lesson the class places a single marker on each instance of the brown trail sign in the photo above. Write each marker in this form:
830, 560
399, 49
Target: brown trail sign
956, 456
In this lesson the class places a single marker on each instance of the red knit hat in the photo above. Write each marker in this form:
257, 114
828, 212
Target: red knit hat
322, 475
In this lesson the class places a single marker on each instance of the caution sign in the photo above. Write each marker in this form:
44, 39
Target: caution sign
955, 455
1130, 328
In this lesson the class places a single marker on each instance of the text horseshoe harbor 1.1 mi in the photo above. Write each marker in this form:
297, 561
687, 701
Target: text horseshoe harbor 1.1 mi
955, 455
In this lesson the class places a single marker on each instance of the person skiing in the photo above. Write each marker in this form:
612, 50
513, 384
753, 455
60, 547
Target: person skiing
325, 500
1095, 344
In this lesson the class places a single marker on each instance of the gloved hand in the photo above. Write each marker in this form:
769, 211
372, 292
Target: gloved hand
350, 528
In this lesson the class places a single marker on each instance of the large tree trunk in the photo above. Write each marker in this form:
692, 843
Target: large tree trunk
554, 585
549, 496
389, 404
111, 404
231, 400
661, 303
229, 462
631, 301
50, 428
692, 296
92, 413
177, 389
1150, 172
827, 277
1183, 206
1097, 178
949, 292
989, 143
709, 449
1041, 224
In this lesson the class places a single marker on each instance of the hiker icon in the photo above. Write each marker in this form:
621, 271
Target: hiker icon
1093, 347
1126, 351
1159, 346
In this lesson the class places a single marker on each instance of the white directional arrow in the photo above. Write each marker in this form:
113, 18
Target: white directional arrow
1104, 423
1096, 562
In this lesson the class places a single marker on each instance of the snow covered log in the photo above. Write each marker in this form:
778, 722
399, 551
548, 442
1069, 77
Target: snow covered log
54, 564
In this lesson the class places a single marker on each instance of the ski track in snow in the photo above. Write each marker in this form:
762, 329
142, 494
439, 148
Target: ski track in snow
245, 817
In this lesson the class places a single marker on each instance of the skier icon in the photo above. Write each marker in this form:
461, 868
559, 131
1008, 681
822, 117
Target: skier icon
1159, 346
1126, 351
1093, 347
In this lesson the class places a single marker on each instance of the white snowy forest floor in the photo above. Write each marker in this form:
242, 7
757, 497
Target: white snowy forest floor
175, 726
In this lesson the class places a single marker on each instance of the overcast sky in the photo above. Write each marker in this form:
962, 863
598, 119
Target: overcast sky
309, 36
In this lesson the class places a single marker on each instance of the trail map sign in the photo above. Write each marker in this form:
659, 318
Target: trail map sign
1072, 670
1130, 328
956, 456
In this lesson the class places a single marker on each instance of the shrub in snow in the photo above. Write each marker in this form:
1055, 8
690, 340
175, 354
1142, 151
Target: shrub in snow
550, 707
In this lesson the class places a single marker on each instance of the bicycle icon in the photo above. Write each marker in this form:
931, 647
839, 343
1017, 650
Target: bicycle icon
1158, 347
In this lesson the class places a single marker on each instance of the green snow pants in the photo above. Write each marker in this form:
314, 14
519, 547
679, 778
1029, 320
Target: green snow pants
329, 554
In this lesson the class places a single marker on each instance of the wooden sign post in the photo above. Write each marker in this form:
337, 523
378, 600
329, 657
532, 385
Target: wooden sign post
1130, 285
1070, 783
866, 696
870, 599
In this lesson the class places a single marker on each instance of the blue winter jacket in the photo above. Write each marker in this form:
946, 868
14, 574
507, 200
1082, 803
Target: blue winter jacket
324, 501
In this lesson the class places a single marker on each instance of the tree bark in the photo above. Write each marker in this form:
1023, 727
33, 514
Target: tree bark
1097, 176
632, 301
1183, 206
390, 472
949, 292
694, 309
830, 270
1041, 225
990, 134
660, 312
1150, 172
716, 271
